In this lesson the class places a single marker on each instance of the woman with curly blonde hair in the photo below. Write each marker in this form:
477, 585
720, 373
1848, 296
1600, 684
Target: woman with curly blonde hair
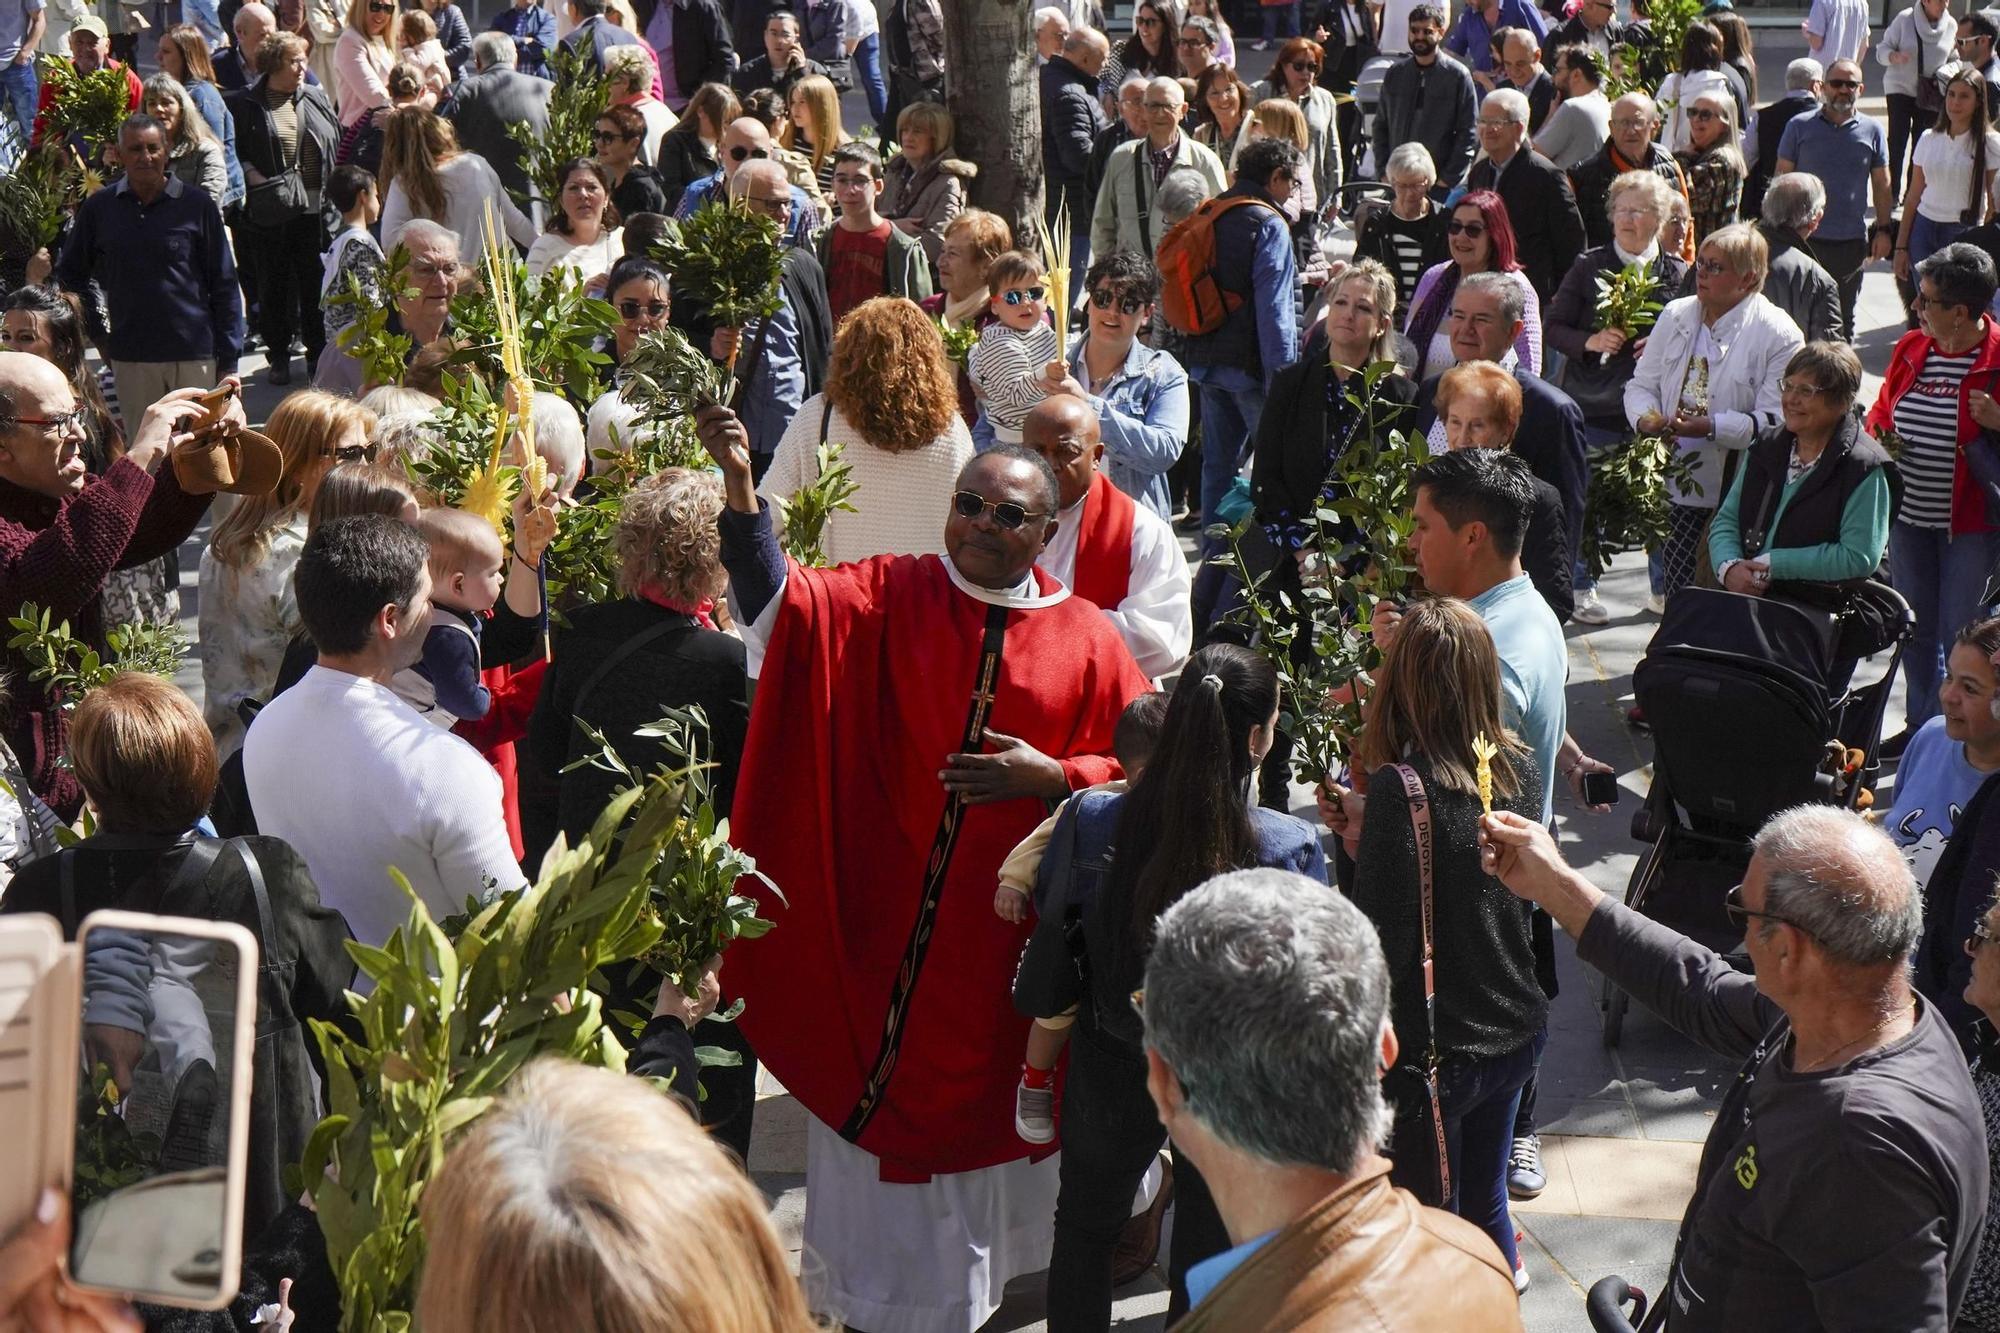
620, 665
891, 403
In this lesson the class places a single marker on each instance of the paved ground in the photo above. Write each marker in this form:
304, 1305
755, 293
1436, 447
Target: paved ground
1622, 1127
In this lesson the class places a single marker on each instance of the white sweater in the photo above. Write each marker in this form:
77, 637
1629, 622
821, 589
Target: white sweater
901, 506
469, 181
358, 782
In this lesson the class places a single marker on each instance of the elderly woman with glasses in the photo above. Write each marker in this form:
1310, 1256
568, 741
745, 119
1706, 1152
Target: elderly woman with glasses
1810, 503
1709, 378
248, 613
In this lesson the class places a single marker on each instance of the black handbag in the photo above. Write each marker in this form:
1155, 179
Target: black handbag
1422, 1162
274, 202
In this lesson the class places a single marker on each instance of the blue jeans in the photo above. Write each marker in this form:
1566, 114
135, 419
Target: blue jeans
18, 90
1941, 576
1479, 1096
1286, 15
1228, 424
868, 69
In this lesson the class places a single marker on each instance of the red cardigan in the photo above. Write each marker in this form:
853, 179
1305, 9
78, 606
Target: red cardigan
1968, 503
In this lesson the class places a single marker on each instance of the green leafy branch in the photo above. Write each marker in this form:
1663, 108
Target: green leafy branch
803, 517
727, 261
1628, 300
958, 342
1626, 503
72, 668
384, 355
576, 103
560, 325
91, 106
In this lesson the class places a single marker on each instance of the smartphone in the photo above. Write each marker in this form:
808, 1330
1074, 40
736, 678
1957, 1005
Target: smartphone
1600, 789
136, 1044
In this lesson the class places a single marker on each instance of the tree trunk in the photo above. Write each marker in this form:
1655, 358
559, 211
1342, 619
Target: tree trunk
993, 90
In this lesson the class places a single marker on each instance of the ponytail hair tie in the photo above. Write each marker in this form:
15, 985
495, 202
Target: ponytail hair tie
1213, 681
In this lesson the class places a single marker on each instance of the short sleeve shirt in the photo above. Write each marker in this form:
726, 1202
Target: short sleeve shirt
1947, 163
1844, 157
15, 16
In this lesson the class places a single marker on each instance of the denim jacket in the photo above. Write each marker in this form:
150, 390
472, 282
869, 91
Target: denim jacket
1077, 927
1143, 414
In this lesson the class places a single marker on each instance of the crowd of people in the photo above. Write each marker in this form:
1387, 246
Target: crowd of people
1483, 229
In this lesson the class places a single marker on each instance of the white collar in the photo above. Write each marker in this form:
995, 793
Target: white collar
1021, 597
1646, 256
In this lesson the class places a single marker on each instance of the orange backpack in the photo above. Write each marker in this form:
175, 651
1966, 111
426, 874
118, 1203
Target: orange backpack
1190, 297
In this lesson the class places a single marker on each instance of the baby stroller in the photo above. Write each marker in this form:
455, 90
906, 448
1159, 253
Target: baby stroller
1752, 713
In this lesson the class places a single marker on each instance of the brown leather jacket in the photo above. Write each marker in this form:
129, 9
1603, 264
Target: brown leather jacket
1367, 1257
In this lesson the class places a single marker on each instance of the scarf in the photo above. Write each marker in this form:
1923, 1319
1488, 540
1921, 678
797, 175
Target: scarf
957, 314
699, 612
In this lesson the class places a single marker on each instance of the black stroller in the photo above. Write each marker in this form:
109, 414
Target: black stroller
1752, 713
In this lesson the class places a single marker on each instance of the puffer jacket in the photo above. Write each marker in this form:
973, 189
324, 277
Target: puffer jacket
933, 193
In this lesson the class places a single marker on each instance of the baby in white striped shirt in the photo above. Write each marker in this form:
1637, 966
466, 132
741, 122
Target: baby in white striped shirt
1011, 359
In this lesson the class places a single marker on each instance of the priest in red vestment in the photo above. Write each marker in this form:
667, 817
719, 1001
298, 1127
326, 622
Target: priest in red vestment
914, 718
1107, 549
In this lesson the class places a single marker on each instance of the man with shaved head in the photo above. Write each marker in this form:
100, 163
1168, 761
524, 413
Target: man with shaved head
1849, 152
1108, 550
913, 716
1072, 118
746, 140
1844, 1183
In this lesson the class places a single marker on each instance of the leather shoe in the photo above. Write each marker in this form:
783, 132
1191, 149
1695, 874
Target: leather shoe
1139, 1243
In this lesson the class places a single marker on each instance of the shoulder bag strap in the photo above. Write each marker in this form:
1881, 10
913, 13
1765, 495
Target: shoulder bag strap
618, 655
1420, 824
66, 887
1142, 166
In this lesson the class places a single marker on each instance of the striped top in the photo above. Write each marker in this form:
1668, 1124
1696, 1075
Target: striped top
1926, 416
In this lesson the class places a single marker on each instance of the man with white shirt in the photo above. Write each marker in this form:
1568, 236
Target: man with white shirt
351, 776
1576, 130
1109, 549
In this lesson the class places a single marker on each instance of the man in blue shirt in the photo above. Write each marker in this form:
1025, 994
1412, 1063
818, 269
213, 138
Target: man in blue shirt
21, 24
156, 248
745, 141
772, 354
1849, 152
1471, 38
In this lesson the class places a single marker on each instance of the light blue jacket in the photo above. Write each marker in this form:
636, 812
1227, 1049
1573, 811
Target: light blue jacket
1143, 412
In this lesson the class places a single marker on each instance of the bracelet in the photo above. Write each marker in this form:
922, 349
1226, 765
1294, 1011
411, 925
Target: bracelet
1570, 772
533, 565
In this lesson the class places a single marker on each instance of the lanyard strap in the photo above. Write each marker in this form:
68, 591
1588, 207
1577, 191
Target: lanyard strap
1420, 825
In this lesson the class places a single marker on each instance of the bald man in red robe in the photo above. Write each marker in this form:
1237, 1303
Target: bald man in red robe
914, 718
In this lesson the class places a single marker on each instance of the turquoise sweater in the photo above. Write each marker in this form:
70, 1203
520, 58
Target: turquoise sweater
1864, 531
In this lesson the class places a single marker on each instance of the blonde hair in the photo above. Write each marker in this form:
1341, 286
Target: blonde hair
1282, 118
1742, 247
303, 427
926, 116
414, 28
1483, 379
627, 65
357, 20
415, 144
587, 1201
192, 129
1439, 686
143, 755
1382, 291
456, 540
666, 538
823, 101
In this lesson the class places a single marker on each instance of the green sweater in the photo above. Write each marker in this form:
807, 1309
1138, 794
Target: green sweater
1864, 530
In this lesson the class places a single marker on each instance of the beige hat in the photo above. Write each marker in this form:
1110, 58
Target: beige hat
223, 457
92, 23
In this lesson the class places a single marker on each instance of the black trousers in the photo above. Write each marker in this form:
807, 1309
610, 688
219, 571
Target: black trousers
288, 276
1110, 1133
1903, 131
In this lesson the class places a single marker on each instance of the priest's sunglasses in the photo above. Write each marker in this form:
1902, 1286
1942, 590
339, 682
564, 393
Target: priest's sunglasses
971, 504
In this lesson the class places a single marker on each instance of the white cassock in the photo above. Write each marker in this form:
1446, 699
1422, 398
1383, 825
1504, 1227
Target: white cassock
1156, 619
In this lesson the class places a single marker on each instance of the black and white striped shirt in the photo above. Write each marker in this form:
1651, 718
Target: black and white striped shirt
1927, 417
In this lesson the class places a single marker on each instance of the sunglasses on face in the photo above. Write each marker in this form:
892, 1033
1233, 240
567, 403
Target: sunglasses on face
1840, 83
1473, 229
1023, 295
633, 309
353, 453
375, 8
971, 504
611, 136
1127, 305
1304, 67
1146, 21
739, 153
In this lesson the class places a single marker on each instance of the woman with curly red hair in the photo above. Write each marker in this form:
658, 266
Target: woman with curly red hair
891, 403
1480, 239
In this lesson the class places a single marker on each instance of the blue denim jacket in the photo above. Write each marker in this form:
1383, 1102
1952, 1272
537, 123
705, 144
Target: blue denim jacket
1143, 412
1056, 971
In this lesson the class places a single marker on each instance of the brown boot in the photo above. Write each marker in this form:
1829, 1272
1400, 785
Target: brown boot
1139, 1243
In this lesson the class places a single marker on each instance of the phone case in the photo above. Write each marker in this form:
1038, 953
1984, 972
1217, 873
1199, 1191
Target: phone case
39, 1023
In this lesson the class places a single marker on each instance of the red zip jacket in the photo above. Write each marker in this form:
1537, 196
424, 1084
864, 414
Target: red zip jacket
1968, 504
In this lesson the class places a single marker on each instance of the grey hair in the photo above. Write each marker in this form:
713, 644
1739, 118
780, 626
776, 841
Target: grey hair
1842, 881
1183, 190
255, 9
1205, 26
1411, 159
1794, 201
420, 233
1802, 74
1266, 994
1510, 100
494, 50
558, 439
1644, 182
1963, 275
1502, 287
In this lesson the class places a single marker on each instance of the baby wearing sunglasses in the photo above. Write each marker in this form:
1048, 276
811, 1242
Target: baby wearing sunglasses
1013, 352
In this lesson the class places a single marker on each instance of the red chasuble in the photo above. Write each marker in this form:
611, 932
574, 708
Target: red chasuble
883, 999
1103, 571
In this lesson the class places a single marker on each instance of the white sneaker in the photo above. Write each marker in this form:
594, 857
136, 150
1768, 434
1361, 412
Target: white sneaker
1656, 604
1520, 1275
1589, 610
1034, 1113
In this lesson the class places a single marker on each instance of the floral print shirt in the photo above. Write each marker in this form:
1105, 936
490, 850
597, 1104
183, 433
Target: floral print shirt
248, 615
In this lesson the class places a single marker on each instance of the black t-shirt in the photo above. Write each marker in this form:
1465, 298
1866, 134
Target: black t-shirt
1846, 1199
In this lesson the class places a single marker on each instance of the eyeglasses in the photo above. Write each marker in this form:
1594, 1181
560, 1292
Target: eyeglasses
1631, 214
1710, 268
971, 504
1486, 124
611, 136
1190, 41
1739, 915
1631, 123
1791, 388
1127, 305
1980, 935
1161, 106
352, 453
1023, 295
779, 209
739, 153
1473, 229
1146, 21
62, 423
633, 309
425, 271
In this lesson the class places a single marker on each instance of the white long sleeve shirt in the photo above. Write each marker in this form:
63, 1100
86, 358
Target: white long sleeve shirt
1156, 619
